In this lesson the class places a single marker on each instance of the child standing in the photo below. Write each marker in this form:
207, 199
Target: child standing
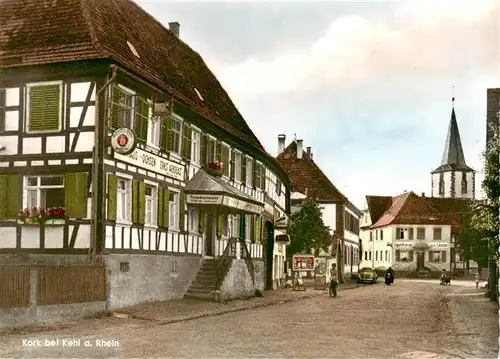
476, 279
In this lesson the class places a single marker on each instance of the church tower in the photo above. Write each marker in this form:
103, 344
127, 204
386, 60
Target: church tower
453, 178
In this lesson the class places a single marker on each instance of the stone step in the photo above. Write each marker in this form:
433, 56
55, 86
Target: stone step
200, 296
201, 287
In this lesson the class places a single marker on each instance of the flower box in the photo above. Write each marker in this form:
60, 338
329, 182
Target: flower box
50, 216
215, 169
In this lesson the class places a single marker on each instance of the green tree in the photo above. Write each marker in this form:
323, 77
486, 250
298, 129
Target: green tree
485, 217
473, 242
308, 233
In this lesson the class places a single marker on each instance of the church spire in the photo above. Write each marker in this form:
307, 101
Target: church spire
453, 155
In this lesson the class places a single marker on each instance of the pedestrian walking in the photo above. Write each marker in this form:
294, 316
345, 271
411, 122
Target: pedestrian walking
476, 279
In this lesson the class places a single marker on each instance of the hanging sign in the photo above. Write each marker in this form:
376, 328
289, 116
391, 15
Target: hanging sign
303, 263
123, 141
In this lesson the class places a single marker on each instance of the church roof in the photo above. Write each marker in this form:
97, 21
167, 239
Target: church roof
39, 32
411, 209
453, 155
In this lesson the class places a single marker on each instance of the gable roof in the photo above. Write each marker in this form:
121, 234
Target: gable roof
377, 205
453, 155
38, 32
306, 176
408, 208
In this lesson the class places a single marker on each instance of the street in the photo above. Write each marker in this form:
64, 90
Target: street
410, 319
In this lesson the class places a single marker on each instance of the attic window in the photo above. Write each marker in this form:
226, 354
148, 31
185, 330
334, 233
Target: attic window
199, 94
132, 48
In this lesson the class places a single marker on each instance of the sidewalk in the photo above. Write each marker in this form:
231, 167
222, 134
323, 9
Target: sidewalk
474, 324
187, 309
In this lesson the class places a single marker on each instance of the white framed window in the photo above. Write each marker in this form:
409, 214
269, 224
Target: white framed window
437, 233
173, 210
211, 149
194, 219
195, 146
249, 227
249, 170
123, 104
44, 107
176, 136
44, 192
236, 226
124, 200
225, 225
151, 205
237, 166
226, 159
154, 133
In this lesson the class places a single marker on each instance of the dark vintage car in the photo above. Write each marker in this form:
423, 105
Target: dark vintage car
367, 275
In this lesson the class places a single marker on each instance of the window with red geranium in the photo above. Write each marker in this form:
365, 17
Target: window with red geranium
45, 192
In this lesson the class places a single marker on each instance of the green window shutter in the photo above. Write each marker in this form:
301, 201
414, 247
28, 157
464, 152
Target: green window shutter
225, 160
243, 169
242, 226
186, 141
203, 153
160, 207
170, 134
201, 223
45, 107
257, 229
112, 188
13, 199
163, 135
135, 201
220, 224
116, 95
3, 197
233, 164
166, 200
141, 219
76, 194
182, 210
141, 118
218, 151
254, 174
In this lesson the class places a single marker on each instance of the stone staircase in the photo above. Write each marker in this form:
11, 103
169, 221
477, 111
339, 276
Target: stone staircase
209, 278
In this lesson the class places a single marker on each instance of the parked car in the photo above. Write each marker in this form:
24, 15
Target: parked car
367, 275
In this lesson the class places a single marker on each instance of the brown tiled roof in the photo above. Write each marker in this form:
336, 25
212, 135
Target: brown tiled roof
377, 205
305, 174
36, 32
408, 208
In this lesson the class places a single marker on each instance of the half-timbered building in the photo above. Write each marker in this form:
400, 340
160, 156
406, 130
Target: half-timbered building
118, 143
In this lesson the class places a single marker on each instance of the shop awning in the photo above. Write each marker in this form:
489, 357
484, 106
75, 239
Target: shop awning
207, 190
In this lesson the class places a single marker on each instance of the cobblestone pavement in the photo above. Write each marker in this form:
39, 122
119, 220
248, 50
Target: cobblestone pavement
411, 319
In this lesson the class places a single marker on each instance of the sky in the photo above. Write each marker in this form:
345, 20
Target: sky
367, 85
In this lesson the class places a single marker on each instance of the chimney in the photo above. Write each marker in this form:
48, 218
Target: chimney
281, 143
308, 151
300, 149
174, 27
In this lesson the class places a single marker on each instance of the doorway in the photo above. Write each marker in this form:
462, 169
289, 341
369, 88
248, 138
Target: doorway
209, 236
269, 228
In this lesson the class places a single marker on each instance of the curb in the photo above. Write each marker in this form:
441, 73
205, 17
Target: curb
259, 305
